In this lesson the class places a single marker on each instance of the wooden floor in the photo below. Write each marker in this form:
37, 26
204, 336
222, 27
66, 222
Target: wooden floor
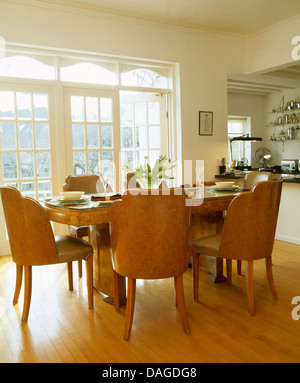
62, 329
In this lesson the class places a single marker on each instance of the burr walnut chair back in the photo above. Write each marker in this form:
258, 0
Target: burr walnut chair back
86, 183
248, 234
33, 243
252, 178
149, 240
29, 230
249, 228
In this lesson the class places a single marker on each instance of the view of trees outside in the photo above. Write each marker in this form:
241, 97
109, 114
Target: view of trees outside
25, 142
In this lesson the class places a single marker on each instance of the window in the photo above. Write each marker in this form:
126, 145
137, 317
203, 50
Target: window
37, 67
91, 124
143, 127
241, 150
73, 113
25, 142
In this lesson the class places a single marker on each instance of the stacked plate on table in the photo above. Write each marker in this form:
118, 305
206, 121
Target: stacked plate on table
73, 197
224, 186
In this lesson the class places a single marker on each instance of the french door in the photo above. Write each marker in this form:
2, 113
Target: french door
92, 132
27, 149
144, 131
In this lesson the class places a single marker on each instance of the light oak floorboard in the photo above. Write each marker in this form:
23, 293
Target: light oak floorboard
61, 328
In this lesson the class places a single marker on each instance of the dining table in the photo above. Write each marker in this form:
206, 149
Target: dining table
208, 206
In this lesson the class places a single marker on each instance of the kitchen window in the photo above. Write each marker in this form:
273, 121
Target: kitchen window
240, 150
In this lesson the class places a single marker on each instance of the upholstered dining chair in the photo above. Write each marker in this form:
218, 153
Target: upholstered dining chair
131, 183
248, 234
149, 240
88, 183
250, 180
33, 243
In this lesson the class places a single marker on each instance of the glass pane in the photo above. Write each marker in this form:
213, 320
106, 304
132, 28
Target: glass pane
42, 136
140, 113
106, 109
8, 135
236, 127
153, 156
127, 159
44, 189
126, 137
93, 163
154, 137
107, 162
27, 189
77, 108
40, 105
92, 136
144, 78
12, 184
88, 73
92, 109
27, 67
78, 136
25, 136
9, 165
140, 157
43, 166
126, 111
24, 107
26, 165
141, 137
154, 112
7, 105
106, 137
79, 162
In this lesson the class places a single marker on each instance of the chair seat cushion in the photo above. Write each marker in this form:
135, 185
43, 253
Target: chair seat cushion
79, 231
208, 245
71, 248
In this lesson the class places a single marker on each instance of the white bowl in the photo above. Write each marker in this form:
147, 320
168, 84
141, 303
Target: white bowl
226, 184
72, 194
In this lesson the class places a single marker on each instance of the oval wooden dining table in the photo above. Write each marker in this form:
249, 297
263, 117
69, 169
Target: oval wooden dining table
207, 205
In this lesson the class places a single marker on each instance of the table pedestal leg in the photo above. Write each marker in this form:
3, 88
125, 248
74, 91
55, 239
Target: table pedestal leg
103, 272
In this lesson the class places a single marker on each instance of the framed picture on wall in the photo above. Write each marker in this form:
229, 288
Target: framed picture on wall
205, 123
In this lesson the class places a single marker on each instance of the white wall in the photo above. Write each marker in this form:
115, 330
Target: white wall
204, 60
272, 47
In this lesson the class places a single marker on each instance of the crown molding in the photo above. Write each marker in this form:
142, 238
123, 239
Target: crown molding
282, 25
122, 16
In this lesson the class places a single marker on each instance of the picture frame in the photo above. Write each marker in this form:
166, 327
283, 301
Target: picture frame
205, 123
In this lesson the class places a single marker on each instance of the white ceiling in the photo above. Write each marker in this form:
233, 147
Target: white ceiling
242, 17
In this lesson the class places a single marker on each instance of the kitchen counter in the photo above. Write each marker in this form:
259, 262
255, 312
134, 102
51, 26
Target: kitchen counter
286, 177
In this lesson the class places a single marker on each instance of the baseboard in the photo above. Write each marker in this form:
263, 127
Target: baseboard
285, 238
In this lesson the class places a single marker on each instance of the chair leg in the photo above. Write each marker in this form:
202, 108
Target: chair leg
181, 304
131, 288
90, 281
249, 282
80, 269
27, 292
229, 271
239, 267
70, 275
195, 266
19, 277
116, 290
270, 277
